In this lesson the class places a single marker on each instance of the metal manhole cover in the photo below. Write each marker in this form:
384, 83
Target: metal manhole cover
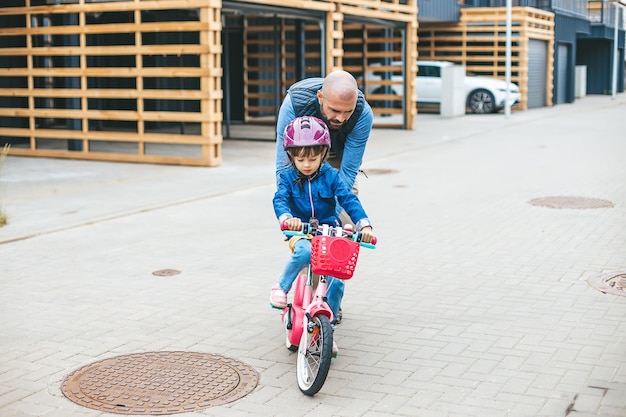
571, 202
611, 283
156, 383
379, 171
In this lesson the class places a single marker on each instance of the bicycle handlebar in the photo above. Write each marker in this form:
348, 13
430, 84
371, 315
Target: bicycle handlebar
311, 229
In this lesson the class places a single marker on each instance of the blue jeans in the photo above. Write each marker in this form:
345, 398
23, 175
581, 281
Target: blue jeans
299, 259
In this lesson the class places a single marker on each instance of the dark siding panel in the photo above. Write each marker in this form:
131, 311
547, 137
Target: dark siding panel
562, 92
438, 10
537, 73
15, 62
565, 30
595, 54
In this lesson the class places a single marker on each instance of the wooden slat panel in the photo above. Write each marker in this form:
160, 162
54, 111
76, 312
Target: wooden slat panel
147, 27
165, 138
401, 15
112, 72
113, 51
159, 96
212, 150
108, 93
117, 6
123, 115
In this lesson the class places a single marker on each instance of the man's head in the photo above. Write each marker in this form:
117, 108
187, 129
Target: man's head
337, 98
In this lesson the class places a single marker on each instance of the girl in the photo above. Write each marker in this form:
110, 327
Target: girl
310, 189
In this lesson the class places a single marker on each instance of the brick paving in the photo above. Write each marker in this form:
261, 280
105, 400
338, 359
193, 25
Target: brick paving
475, 304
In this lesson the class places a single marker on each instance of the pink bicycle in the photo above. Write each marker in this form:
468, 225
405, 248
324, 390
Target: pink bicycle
307, 320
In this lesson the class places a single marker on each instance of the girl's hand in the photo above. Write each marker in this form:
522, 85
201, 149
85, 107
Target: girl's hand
294, 224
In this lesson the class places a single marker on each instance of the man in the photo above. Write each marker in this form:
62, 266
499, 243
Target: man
338, 101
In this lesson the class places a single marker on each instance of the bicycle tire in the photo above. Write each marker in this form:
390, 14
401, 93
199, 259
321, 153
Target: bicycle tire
314, 356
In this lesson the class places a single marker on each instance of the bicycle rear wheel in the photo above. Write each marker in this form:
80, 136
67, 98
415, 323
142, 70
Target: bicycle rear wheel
314, 355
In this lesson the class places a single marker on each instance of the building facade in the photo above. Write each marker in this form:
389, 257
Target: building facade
163, 81
584, 36
155, 81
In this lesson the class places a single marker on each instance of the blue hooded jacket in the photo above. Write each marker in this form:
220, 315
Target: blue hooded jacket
305, 197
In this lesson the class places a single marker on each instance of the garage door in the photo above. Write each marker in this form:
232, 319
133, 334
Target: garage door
537, 73
561, 73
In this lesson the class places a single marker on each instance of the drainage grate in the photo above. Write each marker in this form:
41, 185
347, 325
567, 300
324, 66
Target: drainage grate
571, 202
610, 283
156, 383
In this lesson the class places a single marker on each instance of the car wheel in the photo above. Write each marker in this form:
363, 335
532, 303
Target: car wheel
481, 102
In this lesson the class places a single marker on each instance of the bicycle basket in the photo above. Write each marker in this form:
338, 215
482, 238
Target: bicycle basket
334, 256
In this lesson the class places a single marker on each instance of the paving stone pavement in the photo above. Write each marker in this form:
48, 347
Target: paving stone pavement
476, 303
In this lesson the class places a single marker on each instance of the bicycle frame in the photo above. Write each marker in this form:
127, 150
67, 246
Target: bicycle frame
308, 318
306, 304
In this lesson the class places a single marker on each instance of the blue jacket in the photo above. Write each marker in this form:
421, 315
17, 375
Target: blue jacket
304, 197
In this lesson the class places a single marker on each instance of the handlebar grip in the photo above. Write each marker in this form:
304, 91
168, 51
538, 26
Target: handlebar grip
284, 227
306, 228
371, 245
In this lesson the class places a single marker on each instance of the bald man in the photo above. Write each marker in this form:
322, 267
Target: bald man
336, 100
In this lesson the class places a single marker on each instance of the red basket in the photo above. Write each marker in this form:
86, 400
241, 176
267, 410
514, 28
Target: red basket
334, 256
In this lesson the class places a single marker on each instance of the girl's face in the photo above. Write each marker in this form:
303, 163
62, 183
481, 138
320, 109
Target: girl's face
308, 164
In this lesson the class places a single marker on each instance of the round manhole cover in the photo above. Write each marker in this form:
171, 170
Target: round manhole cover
610, 283
156, 383
571, 202
166, 272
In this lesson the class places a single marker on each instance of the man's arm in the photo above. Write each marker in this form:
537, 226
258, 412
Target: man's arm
355, 146
281, 200
285, 115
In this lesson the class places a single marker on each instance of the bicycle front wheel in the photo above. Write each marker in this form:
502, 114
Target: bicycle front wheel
314, 355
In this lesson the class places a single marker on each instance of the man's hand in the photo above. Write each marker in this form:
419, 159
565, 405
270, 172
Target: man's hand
366, 235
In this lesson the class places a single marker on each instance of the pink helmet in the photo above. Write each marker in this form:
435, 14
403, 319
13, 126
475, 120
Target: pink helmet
306, 131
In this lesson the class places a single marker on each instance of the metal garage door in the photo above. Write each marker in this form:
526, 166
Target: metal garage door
561, 73
537, 73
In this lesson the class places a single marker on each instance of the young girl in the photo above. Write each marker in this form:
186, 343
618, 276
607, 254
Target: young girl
310, 188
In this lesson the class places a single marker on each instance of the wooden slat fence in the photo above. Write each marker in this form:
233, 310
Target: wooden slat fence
132, 81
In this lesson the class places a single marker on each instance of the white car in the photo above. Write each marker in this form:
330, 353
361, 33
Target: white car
483, 94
